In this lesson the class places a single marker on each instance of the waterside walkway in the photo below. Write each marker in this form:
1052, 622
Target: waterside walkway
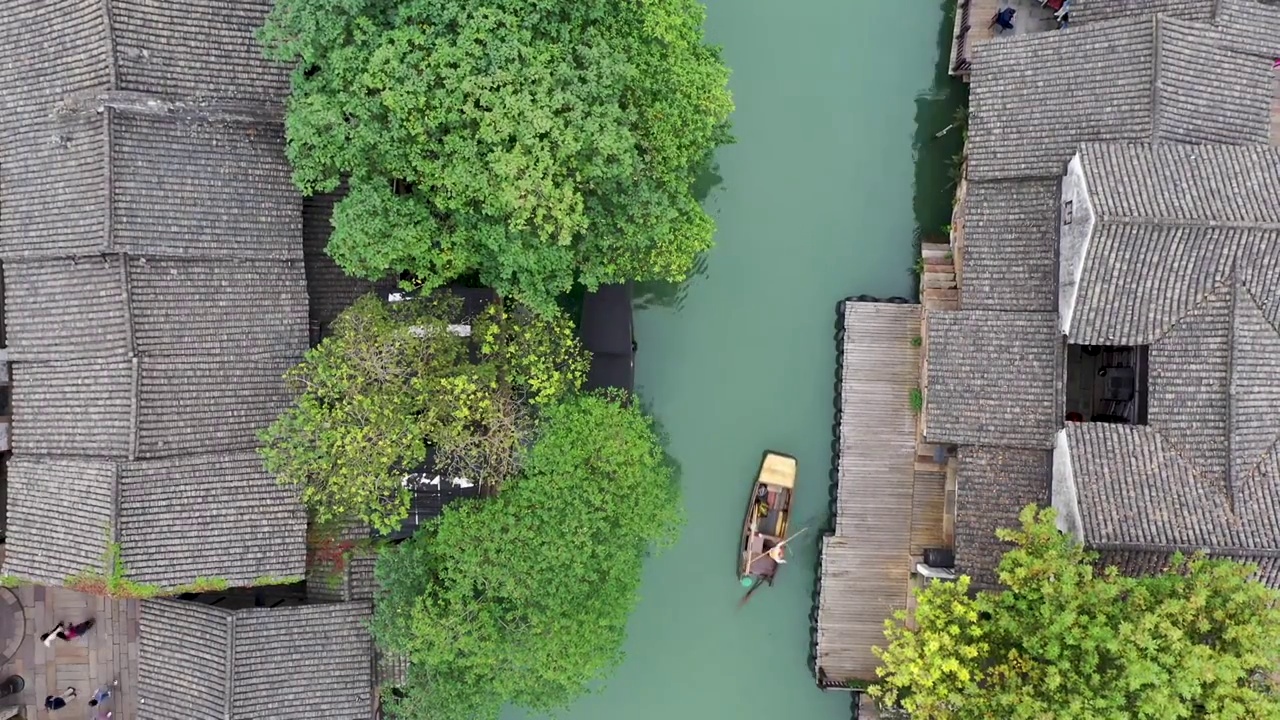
890, 502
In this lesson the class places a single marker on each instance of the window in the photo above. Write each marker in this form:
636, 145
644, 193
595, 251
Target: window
1067, 208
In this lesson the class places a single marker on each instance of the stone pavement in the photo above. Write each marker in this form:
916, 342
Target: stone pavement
108, 652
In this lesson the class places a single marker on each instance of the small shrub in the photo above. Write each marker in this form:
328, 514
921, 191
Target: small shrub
917, 400
917, 341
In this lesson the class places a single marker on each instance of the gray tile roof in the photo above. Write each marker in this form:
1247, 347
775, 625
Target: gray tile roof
1139, 488
155, 287
993, 378
1173, 223
152, 407
113, 305
150, 508
1010, 259
205, 48
1252, 25
1035, 97
1137, 562
243, 513
992, 486
199, 48
201, 662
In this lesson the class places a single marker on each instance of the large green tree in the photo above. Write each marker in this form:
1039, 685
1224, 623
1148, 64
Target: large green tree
524, 598
534, 141
1064, 640
392, 379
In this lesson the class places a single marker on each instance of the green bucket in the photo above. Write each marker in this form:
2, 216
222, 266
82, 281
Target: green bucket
748, 581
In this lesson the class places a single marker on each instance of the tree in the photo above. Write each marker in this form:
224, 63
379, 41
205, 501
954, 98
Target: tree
1063, 640
534, 141
392, 380
524, 598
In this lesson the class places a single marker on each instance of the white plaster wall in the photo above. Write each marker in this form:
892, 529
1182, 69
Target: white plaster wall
1073, 240
1066, 502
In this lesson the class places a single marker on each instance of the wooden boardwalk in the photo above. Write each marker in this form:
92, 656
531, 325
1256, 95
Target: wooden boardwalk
886, 510
109, 652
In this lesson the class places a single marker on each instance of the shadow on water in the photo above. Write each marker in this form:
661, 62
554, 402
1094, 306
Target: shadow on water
662, 294
939, 139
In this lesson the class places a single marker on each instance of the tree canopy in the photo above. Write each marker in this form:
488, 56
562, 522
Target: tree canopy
537, 142
1064, 640
392, 379
524, 598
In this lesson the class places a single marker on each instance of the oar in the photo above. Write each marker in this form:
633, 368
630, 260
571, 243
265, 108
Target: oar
745, 598
794, 535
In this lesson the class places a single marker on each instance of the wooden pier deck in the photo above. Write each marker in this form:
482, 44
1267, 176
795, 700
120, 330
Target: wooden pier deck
890, 502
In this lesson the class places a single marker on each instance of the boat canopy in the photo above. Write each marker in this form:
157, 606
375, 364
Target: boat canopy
778, 470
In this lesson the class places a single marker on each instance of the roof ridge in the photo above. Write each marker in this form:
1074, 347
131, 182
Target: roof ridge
1219, 551
1156, 21
1164, 332
1110, 219
1229, 476
113, 71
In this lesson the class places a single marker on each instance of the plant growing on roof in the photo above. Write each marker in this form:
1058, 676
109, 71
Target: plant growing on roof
1067, 640
524, 598
537, 142
392, 379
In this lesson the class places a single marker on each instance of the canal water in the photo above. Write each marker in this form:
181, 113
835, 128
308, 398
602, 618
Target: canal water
835, 168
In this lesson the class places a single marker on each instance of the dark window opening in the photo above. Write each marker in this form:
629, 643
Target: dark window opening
1107, 384
1067, 210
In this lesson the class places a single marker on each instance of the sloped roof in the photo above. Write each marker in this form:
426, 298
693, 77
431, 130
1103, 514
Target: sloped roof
201, 662
1035, 97
175, 519
1252, 25
146, 184
1140, 488
993, 485
1010, 259
198, 48
112, 305
993, 378
155, 289
1174, 222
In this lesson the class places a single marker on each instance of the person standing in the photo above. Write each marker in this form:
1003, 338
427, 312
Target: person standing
57, 702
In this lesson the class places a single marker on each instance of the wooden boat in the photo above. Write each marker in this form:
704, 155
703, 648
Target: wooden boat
768, 512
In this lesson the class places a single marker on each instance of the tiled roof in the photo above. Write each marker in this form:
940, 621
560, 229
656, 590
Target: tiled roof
175, 519
201, 662
1174, 222
113, 305
1139, 488
1035, 97
1010, 259
992, 487
1252, 25
993, 378
1137, 562
155, 289
331, 290
198, 48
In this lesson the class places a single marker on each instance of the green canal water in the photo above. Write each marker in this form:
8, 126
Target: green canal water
834, 169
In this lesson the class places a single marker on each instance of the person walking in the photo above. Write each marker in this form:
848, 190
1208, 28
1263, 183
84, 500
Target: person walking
101, 694
57, 702
63, 631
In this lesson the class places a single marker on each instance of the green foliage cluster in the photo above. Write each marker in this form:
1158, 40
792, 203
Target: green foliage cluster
113, 580
1065, 640
392, 378
524, 598
536, 142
